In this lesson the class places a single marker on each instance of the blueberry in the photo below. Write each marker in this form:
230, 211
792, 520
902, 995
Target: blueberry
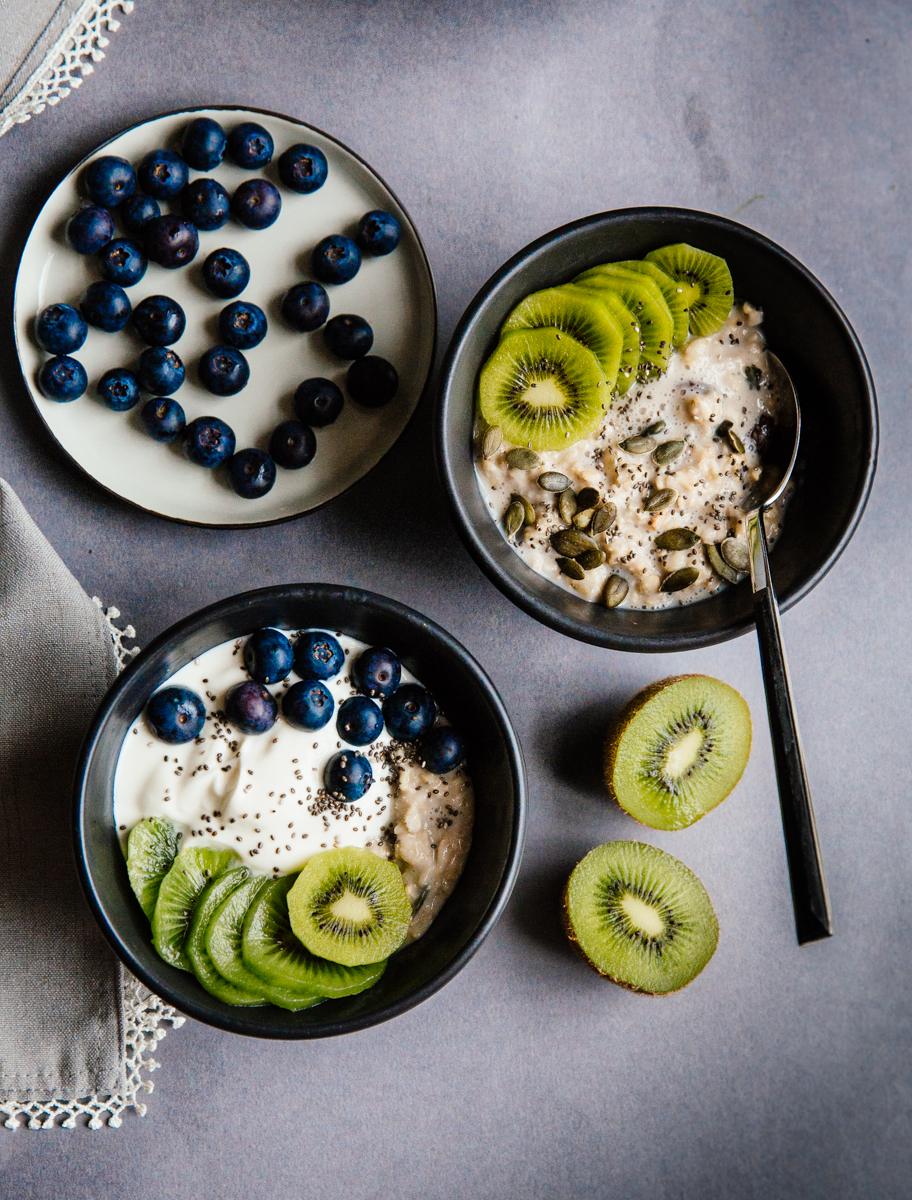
378, 232
109, 180
268, 656
208, 441
348, 336
223, 371
242, 325
442, 750
163, 418
336, 259
106, 306
170, 242
359, 721
256, 203
205, 203
250, 707
122, 261
347, 776
135, 212
62, 378
175, 715
372, 381
410, 712
89, 229
226, 273
308, 704
318, 655
376, 672
250, 145
163, 174
60, 329
119, 389
318, 402
159, 371
203, 144
251, 473
292, 445
305, 306
159, 320
302, 168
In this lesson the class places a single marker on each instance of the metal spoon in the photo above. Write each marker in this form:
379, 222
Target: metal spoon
809, 891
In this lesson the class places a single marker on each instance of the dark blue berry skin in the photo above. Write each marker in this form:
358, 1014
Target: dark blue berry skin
347, 776
250, 707
318, 402
348, 336
305, 306
242, 325
376, 672
410, 712
302, 168
135, 212
318, 655
292, 445
336, 259
226, 273
60, 329
250, 145
62, 379
203, 144
256, 203
359, 721
163, 418
268, 656
119, 389
106, 306
175, 715
159, 371
122, 262
163, 174
159, 320
89, 229
308, 704
109, 180
251, 473
205, 204
223, 371
378, 233
170, 241
441, 750
372, 381
208, 441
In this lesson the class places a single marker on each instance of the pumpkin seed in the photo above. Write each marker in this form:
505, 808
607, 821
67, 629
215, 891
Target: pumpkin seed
570, 567
591, 559
639, 445
492, 441
678, 580
566, 504
604, 518
726, 430
616, 590
718, 563
522, 459
514, 518
668, 453
571, 543
587, 497
677, 539
650, 430
553, 481
736, 554
659, 500
583, 519
530, 516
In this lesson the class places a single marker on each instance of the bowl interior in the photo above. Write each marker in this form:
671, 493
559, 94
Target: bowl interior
804, 327
465, 695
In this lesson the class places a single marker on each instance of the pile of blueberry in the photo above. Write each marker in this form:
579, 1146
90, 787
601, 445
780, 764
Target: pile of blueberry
407, 710
172, 240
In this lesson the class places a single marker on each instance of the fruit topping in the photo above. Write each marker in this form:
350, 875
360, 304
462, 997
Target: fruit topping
318, 402
292, 445
226, 273
318, 655
441, 750
170, 242
159, 371
378, 233
348, 336
60, 329
305, 306
62, 378
376, 672
109, 180
203, 144
122, 261
250, 707
205, 204
251, 473
268, 656
409, 712
302, 168
208, 441
159, 320
89, 229
308, 704
359, 721
256, 203
347, 776
175, 715
250, 145
119, 389
163, 418
335, 259
372, 381
223, 371
106, 306
242, 325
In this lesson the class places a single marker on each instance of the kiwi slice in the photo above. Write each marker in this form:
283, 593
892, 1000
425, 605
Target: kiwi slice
677, 750
543, 388
645, 300
195, 946
630, 333
640, 917
350, 906
582, 315
673, 292
271, 950
711, 295
191, 871
151, 849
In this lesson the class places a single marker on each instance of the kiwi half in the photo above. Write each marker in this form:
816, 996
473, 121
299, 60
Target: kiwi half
193, 869
640, 917
707, 276
583, 315
630, 332
673, 292
645, 300
677, 750
151, 849
195, 946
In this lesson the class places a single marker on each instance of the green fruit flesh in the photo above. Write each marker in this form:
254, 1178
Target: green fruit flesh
193, 869
349, 906
646, 302
709, 278
195, 946
640, 917
584, 317
629, 362
151, 849
673, 292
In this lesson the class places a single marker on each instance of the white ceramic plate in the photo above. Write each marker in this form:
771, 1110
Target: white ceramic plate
394, 293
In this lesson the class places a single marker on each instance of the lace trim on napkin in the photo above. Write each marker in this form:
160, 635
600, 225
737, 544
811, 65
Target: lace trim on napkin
68, 62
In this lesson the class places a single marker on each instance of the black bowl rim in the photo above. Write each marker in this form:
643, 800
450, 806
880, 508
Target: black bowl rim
247, 1024
264, 112
527, 600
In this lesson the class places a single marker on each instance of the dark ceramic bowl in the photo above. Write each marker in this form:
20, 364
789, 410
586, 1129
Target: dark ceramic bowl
465, 694
804, 327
